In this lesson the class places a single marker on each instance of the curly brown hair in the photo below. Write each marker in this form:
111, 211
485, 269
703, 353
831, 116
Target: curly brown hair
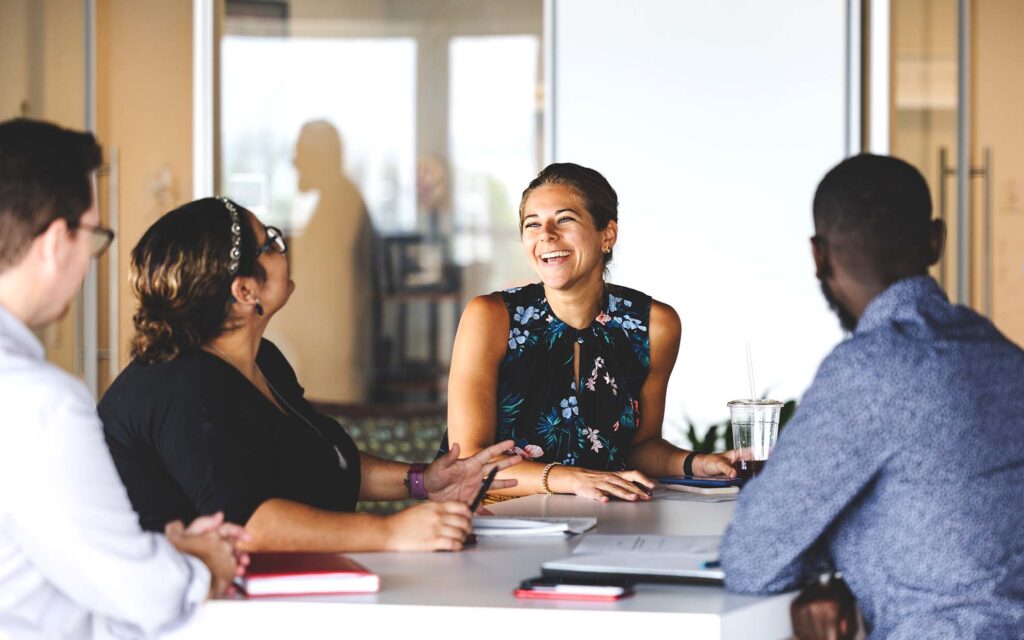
179, 274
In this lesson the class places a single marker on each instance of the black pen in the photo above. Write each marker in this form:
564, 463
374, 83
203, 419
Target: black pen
484, 486
643, 487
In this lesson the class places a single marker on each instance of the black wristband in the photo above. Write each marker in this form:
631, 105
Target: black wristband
688, 463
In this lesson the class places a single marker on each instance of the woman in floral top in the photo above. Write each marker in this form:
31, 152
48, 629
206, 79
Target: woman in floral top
573, 369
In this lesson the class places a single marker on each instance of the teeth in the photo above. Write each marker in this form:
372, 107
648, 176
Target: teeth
553, 254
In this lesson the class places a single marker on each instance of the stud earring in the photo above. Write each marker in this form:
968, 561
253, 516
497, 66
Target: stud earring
259, 309
606, 249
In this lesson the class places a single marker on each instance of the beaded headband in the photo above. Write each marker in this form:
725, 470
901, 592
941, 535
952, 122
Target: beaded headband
236, 236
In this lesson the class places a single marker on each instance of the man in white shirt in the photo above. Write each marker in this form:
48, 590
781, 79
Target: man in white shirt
73, 560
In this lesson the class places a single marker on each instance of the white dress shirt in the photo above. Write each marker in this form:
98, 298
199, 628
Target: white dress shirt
74, 562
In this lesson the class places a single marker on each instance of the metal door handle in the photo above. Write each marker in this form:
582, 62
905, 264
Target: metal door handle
985, 173
111, 171
986, 176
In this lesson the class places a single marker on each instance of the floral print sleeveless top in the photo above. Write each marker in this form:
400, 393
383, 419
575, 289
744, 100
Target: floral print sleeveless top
539, 404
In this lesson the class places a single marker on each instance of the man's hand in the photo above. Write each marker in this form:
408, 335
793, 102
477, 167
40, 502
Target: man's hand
825, 612
451, 479
716, 464
214, 542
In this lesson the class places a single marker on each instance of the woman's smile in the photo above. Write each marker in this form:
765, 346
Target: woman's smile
554, 258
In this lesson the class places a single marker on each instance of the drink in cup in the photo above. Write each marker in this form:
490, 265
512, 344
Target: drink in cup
755, 426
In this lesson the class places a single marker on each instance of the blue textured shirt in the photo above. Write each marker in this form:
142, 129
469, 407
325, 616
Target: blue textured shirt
904, 469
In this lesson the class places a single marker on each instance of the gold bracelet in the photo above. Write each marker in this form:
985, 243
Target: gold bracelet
544, 477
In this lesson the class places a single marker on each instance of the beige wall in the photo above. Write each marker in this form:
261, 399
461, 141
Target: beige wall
42, 75
144, 107
14, 56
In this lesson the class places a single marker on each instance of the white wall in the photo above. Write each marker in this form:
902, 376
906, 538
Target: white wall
714, 121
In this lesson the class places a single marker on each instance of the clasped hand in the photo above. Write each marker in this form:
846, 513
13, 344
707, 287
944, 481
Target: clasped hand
215, 542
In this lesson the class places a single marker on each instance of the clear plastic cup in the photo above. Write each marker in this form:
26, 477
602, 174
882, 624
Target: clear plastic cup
755, 427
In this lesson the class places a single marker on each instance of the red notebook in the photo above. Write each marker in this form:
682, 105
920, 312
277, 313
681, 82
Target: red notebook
291, 574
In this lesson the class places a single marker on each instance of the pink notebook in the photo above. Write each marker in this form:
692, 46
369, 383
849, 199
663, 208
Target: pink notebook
291, 574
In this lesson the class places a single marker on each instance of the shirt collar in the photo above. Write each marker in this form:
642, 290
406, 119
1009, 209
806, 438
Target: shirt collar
15, 337
899, 301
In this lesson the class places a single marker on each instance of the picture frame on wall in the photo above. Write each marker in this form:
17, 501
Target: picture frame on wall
413, 263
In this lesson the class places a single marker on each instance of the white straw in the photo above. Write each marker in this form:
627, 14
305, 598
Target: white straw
750, 373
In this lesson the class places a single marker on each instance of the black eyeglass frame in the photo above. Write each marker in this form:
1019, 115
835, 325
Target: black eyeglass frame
106, 235
274, 237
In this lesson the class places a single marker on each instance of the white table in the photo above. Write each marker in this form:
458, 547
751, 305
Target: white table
469, 594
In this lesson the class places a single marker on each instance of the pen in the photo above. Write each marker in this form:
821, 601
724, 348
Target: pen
643, 487
484, 486
239, 587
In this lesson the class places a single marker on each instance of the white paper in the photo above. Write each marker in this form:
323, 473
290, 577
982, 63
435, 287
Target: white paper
530, 526
675, 565
610, 544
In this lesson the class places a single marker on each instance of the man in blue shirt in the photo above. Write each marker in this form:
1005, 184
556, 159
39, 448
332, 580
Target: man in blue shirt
904, 466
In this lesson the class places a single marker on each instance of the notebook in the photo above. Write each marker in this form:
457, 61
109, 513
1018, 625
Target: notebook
289, 574
706, 491
704, 486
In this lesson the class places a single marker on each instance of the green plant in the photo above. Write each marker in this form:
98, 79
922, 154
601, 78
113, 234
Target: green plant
718, 437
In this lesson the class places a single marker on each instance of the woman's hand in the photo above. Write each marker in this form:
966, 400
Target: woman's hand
599, 485
449, 478
214, 542
716, 464
429, 526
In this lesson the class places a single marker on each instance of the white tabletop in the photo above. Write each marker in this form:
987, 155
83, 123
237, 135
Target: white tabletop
448, 594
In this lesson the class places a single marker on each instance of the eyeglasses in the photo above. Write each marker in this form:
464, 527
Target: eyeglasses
275, 242
101, 238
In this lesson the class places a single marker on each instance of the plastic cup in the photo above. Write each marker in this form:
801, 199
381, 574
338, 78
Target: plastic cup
755, 427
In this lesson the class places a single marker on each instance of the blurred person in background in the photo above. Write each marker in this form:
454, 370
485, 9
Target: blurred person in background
332, 257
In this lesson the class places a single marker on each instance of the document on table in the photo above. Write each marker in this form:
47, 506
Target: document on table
665, 494
497, 526
642, 557
597, 543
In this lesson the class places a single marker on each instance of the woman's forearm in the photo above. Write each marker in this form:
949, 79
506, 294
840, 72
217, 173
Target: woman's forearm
381, 479
657, 457
529, 475
284, 525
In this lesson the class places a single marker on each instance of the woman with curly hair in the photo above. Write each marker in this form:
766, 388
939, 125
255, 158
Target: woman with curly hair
210, 417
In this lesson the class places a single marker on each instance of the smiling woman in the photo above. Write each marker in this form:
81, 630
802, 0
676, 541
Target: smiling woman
567, 367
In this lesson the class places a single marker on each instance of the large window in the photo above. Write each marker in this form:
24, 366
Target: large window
391, 140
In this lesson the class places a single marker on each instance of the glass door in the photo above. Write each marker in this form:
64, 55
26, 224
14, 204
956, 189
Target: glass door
390, 141
955, 105
997, 147
924, 108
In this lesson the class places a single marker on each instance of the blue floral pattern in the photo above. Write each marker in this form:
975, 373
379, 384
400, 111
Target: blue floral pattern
540, 406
